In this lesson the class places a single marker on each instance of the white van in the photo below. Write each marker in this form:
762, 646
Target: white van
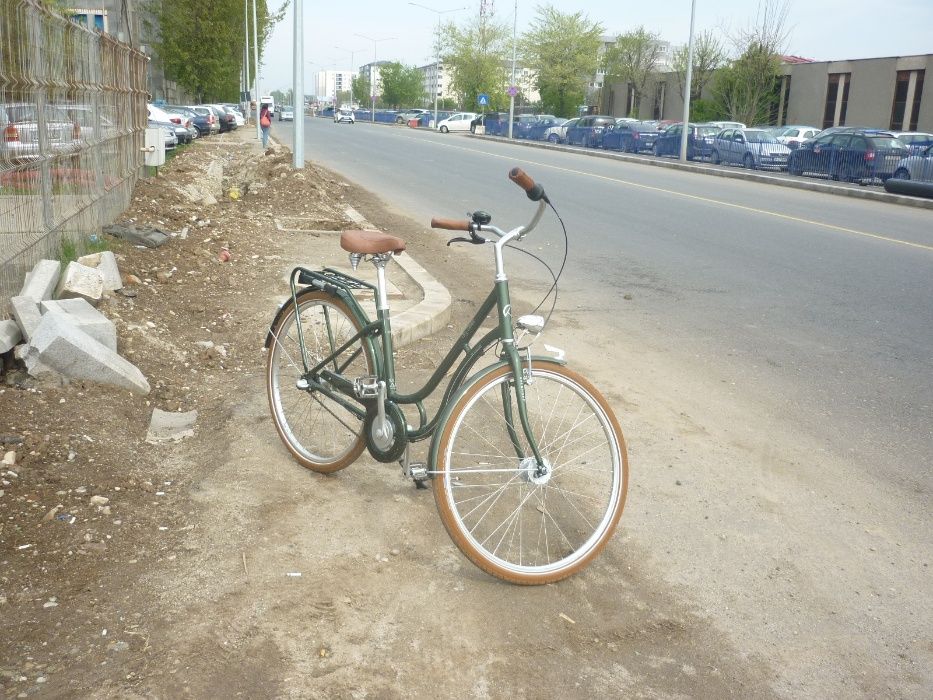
268, 100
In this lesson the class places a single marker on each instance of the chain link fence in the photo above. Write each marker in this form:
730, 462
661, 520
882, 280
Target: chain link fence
72, 120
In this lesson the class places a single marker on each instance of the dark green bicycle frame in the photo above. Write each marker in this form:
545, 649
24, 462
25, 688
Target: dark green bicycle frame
340, 388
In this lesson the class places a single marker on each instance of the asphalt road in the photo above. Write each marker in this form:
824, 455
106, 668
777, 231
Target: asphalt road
822, 302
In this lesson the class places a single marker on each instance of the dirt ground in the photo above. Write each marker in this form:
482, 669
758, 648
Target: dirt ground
220, 568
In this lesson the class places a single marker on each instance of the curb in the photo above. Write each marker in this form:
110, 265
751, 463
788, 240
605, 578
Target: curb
427, 316
698, 169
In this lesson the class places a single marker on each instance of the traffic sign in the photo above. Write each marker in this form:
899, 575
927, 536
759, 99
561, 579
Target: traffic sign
482, 99
513, 91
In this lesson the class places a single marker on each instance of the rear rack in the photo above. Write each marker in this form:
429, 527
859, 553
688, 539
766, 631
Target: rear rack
328, 277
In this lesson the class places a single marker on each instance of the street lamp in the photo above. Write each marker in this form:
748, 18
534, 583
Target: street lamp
689, 86
513, 87
437, 48
372, 70
353, 66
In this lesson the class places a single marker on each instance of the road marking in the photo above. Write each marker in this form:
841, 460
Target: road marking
765, 212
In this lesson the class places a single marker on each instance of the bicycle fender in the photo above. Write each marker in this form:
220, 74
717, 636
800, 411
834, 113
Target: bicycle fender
445, 414
288, 302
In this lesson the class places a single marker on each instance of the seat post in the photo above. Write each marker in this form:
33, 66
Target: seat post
382, 297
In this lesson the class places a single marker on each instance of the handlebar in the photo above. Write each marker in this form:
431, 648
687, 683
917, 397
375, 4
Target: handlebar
479, 221
451, 224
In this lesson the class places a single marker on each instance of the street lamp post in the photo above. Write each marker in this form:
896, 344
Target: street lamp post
512, 87
437, 48
372, 71
352, 52
689, 86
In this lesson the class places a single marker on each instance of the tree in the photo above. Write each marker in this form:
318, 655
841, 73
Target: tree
401, 85
361, 91
201, 45
562, 49
746, 89
633, 59
709, 55
475, 55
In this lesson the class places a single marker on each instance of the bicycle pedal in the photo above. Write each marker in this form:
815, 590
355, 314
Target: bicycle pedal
418, 471
366, 387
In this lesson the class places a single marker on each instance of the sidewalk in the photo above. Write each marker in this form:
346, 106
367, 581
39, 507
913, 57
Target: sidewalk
412, 318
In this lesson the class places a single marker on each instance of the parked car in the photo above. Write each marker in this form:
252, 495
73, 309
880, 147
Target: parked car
200, 122
19, 132
210, 118
558, 132
854, 155
538, 130
916, 167
237, 112
524, 124
459, 121
793, 136
286, 113
699, 141
230, 115
729, 125
344, 116
488, 120
752, 148
589, 130
185, 130
916, 141
92, 124
224, 120
630, 137
403, 117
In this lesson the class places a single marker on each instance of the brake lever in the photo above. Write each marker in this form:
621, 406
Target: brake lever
474, 239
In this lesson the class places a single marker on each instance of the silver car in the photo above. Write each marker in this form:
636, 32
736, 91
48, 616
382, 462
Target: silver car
916, 167
752, 148
19, 132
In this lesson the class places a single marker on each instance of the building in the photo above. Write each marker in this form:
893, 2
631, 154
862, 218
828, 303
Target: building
430, 73
885, 93
375, 79
329, 83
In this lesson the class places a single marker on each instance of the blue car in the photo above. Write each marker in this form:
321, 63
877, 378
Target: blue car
630, 137
850, 155
699, 141
538, 130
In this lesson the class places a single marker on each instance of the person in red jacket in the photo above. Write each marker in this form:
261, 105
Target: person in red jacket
265, 123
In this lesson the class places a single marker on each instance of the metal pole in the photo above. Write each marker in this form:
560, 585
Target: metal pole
298, 90
686, 125
246, 83
256, 69
437, 64
512, 86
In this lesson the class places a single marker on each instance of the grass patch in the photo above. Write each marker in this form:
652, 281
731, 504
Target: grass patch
71, 250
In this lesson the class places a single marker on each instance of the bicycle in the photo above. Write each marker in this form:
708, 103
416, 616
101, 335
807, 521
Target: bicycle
527, 459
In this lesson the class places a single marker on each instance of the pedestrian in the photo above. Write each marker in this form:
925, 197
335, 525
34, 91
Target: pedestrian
265, 123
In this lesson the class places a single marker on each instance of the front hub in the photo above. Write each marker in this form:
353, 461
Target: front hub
534, 474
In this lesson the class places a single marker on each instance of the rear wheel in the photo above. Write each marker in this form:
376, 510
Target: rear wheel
518, 522
656, 149
748, 161
319, 432
714, 157
553, 138
901, 174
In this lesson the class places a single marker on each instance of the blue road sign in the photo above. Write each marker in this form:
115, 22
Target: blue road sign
483, 99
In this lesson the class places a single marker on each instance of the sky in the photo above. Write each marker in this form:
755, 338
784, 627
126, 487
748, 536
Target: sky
823, 30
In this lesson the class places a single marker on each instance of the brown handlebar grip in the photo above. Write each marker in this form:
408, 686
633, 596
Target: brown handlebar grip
522, 179
450, 224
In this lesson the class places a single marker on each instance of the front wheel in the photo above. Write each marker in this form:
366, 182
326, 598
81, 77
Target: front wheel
901, 174
515, 520
444, 129
748, 161
318, 430
553, 138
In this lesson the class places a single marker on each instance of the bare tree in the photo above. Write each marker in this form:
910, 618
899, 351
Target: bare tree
709, 54
633, 59
746, 89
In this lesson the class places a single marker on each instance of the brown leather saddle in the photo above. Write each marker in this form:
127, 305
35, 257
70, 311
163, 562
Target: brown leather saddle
371, 242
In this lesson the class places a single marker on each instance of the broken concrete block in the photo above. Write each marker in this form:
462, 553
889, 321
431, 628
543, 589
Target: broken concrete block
214, 178
10, 335
165, 426
41, 281
85, 317
29, 356
72, 352
106, 264
27, 315
81, 281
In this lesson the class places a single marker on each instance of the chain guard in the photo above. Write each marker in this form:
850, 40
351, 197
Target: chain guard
399, 437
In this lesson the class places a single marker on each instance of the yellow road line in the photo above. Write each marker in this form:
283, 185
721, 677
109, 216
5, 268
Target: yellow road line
765, 212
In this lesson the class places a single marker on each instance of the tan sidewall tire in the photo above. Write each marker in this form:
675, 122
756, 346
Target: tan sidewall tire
452, 524
357, 449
